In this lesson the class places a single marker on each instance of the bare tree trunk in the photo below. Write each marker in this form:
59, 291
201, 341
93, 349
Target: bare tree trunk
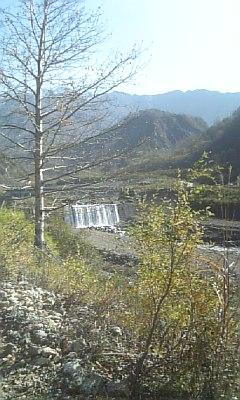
38, 153
39, 196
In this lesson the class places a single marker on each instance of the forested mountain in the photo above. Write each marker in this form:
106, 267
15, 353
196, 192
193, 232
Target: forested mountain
212, 106
150, 130
222, 140
180, 138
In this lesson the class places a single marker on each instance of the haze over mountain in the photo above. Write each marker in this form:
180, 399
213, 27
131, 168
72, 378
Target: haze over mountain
212, 106
151, 130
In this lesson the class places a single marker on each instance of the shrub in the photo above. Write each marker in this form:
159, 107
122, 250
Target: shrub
16, 238
71, 243
180, 309
63, 267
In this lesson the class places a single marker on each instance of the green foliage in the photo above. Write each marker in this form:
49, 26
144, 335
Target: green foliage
62, 267
176, 306
212, 188
205, 170
70, 277
16, 238
179, 310
71, 243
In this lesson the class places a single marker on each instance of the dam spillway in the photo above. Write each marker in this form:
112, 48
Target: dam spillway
82, 216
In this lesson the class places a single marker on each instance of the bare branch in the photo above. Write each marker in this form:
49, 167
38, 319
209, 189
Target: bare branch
15, 142
97, 163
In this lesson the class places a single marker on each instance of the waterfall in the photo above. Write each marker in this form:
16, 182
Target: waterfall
91, 215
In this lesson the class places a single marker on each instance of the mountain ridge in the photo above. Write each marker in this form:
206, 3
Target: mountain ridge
212, 106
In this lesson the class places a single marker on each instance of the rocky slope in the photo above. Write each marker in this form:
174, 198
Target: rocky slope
51, 349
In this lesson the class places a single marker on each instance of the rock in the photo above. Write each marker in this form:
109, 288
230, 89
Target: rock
116, 331
8, 285
4, 304
22, 363
34, 324
92, 384
42, 361
78, 346
3, 294
40, 337
7, 349
8, 360
33, 350
57, 359
23, 284
79, 380
71, 367
38, 326
71, 355
118, 389
31, 323
49, 352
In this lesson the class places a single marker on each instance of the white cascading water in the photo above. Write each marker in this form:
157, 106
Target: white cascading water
91, 215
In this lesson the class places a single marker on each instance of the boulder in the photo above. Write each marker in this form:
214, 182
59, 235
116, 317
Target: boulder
48, 352
7, 349
40, 337
78, 346
78, 380
42, 361
118, 389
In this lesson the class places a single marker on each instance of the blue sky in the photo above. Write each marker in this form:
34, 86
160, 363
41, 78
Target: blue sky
191, 43
188, 44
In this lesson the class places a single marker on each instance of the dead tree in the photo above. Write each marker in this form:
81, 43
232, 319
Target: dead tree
55, 90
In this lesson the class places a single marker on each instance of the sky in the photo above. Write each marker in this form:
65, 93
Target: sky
186, 44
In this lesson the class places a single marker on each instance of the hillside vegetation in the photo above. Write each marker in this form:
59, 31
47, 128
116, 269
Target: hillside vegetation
222, 140
72, 330
144, 132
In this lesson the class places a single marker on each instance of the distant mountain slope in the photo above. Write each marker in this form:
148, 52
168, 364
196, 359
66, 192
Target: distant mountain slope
209, 105
153, 130
222, 140
225, 141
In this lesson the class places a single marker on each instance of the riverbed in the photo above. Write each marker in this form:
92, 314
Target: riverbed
121, 250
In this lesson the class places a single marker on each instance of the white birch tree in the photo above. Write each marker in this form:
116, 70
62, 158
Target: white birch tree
50, 75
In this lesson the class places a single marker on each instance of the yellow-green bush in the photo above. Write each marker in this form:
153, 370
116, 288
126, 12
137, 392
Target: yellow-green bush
70, 242
56, 268
16, 238
179, 309
69, 276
